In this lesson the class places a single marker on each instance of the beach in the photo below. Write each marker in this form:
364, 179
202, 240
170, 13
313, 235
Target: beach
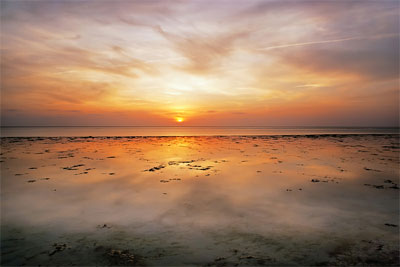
326, 199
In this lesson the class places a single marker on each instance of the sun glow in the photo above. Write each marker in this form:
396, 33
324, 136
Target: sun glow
153, 62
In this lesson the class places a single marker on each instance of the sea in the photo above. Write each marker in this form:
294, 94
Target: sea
76, 131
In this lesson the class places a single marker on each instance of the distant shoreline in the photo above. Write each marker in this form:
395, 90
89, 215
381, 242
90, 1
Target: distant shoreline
199, 136
83, 131
211, 126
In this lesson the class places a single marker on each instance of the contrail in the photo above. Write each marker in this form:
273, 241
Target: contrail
330, 41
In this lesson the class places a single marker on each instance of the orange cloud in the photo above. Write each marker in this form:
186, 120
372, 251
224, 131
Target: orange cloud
211, 63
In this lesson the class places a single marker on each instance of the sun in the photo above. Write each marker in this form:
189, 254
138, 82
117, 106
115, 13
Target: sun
179, 119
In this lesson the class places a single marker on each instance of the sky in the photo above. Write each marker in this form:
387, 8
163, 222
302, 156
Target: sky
217, 63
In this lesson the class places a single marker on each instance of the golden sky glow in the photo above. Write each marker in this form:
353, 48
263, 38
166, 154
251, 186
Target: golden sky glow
207, 62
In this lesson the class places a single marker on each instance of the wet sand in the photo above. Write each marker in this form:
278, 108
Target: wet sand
209, 201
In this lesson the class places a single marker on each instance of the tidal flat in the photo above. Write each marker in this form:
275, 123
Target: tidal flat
200, 201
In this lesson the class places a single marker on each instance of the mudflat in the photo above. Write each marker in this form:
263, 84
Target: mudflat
214, 201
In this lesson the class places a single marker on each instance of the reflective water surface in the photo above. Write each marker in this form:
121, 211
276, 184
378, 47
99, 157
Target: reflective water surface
233, 200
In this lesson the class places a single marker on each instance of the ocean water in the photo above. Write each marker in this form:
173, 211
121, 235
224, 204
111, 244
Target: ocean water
187, 131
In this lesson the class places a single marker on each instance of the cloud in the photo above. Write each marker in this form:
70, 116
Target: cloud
189, 57
373, 59
203, 51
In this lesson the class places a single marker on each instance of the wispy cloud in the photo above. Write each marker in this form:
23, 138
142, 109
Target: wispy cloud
268, 61
203, 51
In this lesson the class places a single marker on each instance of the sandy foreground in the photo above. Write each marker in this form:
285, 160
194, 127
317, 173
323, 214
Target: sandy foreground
209, 201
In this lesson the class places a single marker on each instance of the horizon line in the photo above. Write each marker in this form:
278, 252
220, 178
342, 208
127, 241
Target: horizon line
182, 126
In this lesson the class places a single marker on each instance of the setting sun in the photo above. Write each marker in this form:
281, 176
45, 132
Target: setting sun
240, 63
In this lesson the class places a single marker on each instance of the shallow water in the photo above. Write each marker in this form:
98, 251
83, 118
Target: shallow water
246, 200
